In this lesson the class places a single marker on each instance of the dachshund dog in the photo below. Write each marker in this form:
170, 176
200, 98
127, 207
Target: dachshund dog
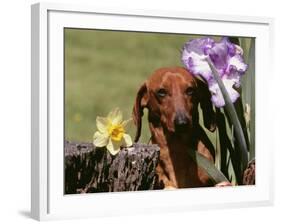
172, 96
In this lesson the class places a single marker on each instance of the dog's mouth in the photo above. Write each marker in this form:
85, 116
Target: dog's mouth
181, 132
182, 128
182, 123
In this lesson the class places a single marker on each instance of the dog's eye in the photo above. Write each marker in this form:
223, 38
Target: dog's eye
189, 91
161, 92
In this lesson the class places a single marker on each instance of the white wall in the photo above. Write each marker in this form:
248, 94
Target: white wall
15, 110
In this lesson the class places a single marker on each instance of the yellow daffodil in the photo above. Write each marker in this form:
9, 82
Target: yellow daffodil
111, 132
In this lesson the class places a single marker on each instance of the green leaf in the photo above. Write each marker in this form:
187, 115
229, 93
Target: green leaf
215, 175
229, 107
248, 85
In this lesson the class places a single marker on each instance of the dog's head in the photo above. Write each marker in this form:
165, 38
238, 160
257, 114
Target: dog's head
171, 96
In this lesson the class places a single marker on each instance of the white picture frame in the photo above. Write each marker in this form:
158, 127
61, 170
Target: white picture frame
48, 201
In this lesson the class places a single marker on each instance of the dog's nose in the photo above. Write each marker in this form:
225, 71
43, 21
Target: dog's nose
181, 121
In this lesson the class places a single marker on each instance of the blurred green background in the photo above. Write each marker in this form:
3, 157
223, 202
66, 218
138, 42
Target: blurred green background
105, 69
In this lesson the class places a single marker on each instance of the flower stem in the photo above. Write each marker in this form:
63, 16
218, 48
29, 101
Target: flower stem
215, 175
233, 116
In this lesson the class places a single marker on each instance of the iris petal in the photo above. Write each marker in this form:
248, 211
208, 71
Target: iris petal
197, 64
199, 45
227, 59
217, 97
218, 55
236, 63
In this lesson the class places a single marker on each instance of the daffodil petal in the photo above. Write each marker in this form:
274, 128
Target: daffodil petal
100, 139
115, 116
126, 122
112, 148
102, 124
128, 140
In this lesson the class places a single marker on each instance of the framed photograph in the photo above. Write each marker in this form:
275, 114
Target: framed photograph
154, 111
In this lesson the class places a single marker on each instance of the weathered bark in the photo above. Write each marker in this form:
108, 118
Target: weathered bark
88, 169
250, 173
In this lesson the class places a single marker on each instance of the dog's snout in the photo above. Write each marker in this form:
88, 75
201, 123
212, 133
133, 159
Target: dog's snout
181, 121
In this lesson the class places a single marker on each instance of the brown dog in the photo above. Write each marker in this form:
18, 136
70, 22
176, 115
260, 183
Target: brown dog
171, 96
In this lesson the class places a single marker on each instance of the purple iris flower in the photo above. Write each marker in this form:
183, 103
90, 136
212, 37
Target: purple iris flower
227, 59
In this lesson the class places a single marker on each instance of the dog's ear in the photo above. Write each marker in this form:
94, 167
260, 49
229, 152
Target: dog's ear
204, 95
140, 104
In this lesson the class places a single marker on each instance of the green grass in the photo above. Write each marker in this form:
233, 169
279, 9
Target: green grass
104, 70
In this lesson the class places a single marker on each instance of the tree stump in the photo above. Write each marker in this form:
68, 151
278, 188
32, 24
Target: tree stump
249, 177
89, 169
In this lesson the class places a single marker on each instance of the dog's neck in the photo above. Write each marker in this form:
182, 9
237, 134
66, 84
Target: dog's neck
174, 158
164, 138
187, 138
